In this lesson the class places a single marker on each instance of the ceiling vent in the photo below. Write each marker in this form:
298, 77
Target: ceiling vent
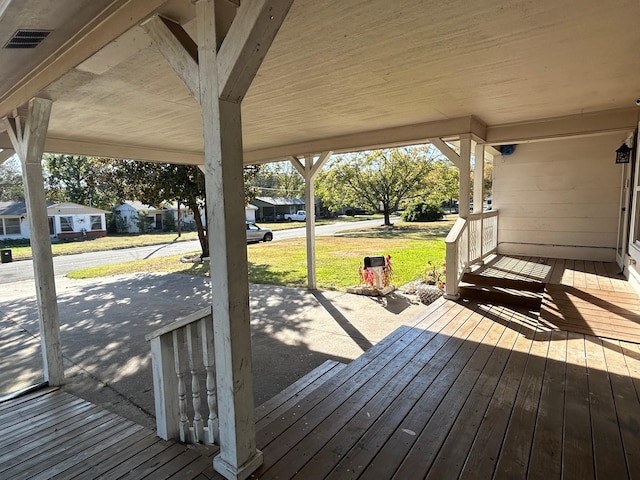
27, 38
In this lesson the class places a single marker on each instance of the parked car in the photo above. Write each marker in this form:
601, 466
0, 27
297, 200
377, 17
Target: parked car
299, 216
258, 234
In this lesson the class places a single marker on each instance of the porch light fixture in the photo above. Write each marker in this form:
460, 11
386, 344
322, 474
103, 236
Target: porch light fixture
623, 154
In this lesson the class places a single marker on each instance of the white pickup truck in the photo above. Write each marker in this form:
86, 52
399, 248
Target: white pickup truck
299, 216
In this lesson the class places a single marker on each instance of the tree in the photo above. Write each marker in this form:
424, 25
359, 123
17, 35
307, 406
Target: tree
104, 182
85, 180
379, 180
442, 182
279, 179
11, 187
156, 183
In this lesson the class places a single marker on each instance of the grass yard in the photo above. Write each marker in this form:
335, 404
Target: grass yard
115, 242
411, 247
110, 242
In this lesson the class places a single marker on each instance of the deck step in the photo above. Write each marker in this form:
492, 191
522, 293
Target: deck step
502, 296
486, 280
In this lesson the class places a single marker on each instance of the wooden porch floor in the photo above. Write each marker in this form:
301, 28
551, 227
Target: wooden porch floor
472, 391
579, 296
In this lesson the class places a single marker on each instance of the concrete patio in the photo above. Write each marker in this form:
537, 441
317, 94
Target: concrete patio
104, 322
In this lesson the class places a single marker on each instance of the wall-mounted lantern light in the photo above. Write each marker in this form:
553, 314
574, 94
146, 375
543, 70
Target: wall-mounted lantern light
623, 154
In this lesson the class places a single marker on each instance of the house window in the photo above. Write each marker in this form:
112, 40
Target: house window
66, 224
12, 226
96, 222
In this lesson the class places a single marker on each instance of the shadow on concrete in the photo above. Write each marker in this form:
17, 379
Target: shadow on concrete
344, 323
103, 328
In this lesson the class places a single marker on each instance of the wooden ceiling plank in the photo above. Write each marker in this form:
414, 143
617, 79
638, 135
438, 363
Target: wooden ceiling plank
178, 48
6, 154
246, 44
116, 20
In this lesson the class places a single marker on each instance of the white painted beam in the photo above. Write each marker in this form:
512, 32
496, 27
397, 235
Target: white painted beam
135, 152
587, 124
242, 51
178, 48
446, 150
29, 144
373, 139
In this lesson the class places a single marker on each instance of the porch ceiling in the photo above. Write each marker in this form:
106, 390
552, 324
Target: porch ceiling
340, 75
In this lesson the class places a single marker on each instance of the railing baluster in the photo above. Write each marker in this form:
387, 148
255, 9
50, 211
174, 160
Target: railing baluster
186, 343
193, 350
208, 359
178, 357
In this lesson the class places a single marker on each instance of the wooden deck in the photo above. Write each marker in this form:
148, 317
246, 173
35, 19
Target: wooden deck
472, 391
579, 296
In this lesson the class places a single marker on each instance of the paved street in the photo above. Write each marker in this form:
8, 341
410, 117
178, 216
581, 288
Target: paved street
23, 270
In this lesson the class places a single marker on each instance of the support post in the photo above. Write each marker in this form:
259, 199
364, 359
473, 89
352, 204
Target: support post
28, 142
465, 175
165, 387
478, 178
309, 170
222, 131
223, 77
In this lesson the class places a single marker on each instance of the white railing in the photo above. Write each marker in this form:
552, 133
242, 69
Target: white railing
182, 353
469, 242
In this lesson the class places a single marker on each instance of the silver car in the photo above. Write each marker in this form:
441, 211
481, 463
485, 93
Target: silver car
258, 234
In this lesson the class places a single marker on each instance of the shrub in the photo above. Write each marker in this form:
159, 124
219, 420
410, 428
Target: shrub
422, 212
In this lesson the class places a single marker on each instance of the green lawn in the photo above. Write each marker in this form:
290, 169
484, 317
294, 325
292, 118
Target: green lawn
110, 242
411, 247
118, 241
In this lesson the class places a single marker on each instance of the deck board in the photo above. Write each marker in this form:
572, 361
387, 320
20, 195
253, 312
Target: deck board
471, 391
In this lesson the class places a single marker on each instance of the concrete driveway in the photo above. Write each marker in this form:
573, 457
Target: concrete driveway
104, 322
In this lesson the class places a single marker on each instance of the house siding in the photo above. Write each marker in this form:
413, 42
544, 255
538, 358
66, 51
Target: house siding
559, 198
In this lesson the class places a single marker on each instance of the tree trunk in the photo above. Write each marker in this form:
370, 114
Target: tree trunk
179, 221
387, 220
202, 235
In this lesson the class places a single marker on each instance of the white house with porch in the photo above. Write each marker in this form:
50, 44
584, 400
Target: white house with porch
548, 89
67, 221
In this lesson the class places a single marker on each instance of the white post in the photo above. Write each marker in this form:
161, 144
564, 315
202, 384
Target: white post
478, 178
165, 387
310, 206
222, 131
465, 175
219, 78
28, 142
308, 171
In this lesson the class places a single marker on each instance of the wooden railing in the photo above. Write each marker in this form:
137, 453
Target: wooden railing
469, 242
183, 355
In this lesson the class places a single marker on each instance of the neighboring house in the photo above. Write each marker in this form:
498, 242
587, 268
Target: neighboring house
66, 221
159, 218
69, 221
13, 220
274, 208
131, 213
250, 212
